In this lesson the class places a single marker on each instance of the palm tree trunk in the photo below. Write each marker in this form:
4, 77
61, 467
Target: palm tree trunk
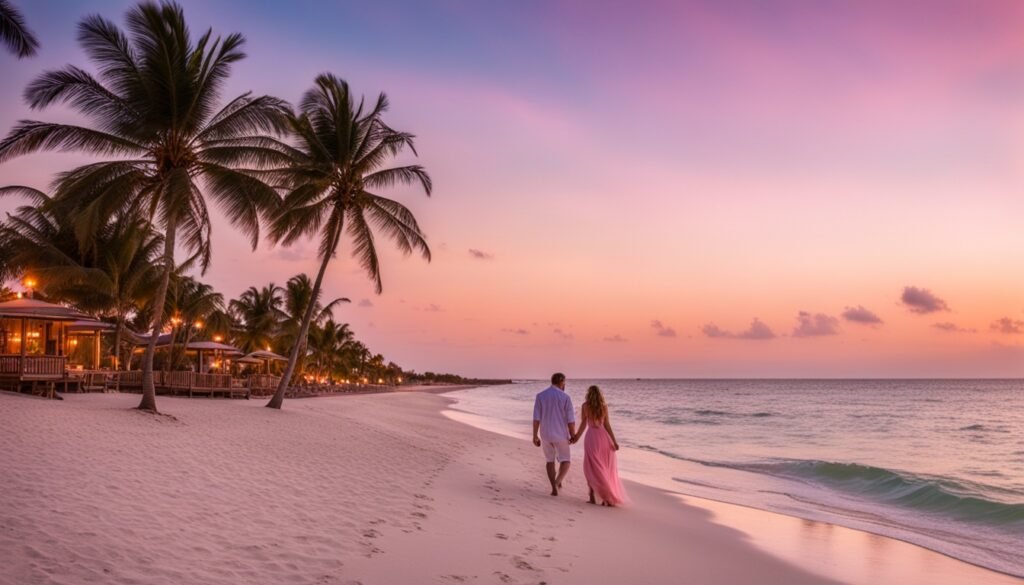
148, 385
293, 358
117, 341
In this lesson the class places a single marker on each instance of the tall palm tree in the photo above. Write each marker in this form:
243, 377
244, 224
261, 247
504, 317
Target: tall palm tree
153, 107
335, 171
257, 311
14, 33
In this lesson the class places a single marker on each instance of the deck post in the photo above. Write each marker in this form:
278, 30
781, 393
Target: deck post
24, 345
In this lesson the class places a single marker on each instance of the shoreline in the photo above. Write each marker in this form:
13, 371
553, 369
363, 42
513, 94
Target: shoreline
655, 456
765, 540
378, 488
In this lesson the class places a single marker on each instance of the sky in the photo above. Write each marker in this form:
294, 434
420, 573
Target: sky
656, 189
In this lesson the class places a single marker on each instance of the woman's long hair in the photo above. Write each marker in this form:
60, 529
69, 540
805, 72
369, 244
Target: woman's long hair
594, 404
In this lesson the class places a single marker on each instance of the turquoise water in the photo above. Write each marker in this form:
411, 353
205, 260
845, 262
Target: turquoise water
939, 463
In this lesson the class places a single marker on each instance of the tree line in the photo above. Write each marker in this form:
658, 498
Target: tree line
133, 224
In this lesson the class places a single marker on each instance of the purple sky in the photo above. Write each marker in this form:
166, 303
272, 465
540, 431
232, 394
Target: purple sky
759, 180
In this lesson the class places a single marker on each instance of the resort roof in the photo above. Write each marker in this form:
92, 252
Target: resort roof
213, 346
36, 309
266, 355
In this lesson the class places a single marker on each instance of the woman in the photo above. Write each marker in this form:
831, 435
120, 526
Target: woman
599, 447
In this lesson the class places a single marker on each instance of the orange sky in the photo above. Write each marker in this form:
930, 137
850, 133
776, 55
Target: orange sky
683, 164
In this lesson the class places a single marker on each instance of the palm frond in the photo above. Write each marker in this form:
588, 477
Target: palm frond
15, 33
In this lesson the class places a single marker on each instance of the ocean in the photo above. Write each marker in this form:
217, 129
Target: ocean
939, 463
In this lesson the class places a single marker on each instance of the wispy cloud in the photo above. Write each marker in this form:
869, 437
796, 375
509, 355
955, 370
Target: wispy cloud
922, 301
615, 339
365, 303
431, 308
757, 331
480, 254
562, 333
815, 325
662, 329
1008, 326
519, 331
953, 328
861, 315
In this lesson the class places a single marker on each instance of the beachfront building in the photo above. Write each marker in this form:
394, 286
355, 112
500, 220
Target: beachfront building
35, 339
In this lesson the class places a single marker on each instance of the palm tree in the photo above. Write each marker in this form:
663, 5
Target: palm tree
297, 294
189, 305
331, 182
113, 277
257, 311
153, 107
14, 33
328, 343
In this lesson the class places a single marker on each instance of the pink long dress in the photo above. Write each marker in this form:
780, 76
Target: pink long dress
600, 466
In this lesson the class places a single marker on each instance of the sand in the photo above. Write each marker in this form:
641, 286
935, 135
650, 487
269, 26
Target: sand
370, 489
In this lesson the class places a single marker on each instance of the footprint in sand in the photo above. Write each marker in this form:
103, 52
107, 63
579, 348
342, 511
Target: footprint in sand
501, 536
522, 565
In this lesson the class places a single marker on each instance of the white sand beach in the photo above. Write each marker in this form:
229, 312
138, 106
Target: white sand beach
373, 489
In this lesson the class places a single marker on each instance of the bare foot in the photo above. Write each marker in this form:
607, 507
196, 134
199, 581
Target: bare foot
554, 492
591, 501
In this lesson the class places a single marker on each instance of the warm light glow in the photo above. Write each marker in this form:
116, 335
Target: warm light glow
198, 325
218, 338
30, 282
176, 320
399, 379
19, 294
268, 348
73, 342
380, 380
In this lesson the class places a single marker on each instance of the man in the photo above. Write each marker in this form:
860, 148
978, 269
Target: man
554, 423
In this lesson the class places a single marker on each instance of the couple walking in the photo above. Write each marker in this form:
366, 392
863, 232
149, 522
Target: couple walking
554, 429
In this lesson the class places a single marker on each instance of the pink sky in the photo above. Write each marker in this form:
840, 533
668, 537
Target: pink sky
692, 164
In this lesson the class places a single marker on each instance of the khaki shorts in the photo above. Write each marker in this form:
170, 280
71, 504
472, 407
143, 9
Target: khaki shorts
555, 450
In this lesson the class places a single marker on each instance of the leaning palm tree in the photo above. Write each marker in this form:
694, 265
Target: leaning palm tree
154, 113
14, 33
336, 170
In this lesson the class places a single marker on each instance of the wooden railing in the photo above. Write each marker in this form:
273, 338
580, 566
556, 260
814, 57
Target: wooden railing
264, 381
33, 366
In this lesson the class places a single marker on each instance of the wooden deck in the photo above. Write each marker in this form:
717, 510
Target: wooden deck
183, 382
39, 374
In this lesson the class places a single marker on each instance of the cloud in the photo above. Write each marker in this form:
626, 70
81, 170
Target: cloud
816, 325
365, 303
615, 339
757, 331
1008, 326
431, 308
953, 328
562, 333
922, 301
480, 254
861, 315
663, 331
516, 331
